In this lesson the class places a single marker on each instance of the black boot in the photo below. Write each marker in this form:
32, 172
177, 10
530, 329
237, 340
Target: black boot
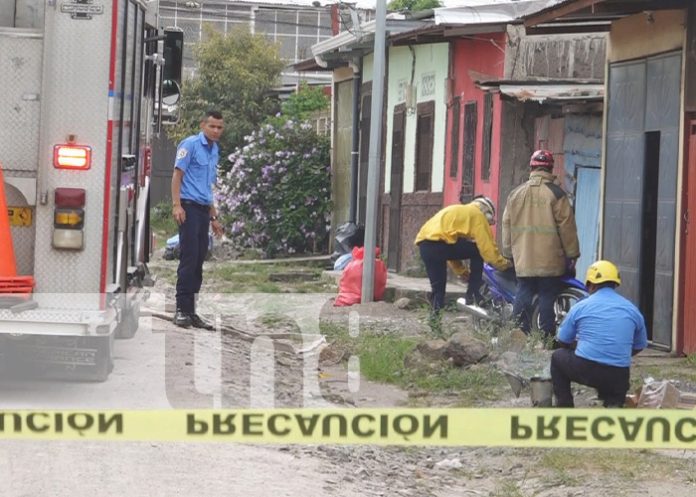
182, 319
198, 322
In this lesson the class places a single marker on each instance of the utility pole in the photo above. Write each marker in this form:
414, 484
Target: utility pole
375, 153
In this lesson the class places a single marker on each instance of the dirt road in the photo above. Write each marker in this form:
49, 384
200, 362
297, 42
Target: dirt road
166, 367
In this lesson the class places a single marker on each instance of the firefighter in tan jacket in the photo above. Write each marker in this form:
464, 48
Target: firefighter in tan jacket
455, 233
540, 236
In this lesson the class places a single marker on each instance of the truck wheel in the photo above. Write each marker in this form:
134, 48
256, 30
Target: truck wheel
104, 360
129, 322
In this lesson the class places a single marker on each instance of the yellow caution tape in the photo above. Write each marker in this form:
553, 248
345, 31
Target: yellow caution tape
582, 428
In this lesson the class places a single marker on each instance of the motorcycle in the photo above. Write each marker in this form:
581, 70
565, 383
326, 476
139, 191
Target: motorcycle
498, 291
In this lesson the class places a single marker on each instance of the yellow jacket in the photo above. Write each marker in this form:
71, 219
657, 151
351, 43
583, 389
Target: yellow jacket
463, 221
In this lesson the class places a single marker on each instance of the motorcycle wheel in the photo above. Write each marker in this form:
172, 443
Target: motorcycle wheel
485, 292
564, 301
501, 310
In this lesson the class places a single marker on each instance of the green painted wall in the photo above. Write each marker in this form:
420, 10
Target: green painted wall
343, 136
429, 75
368, 61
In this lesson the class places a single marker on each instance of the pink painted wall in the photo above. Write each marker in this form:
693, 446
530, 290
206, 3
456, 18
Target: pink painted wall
476, 57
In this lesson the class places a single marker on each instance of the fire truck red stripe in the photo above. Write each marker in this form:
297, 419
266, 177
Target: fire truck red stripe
109, 148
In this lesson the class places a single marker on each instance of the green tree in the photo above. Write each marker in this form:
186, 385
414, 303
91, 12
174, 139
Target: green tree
304, 102
235, 74
414, 5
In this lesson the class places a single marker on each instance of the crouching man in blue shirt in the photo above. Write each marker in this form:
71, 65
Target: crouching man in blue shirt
599, 336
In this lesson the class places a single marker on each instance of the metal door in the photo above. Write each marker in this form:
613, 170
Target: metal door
587, 197
662, 116
641, 184
396, 188
624, 172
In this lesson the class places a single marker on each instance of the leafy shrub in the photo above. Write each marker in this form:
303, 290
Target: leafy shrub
235, 74
275, 196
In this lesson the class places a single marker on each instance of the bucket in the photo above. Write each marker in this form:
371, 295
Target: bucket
541, 391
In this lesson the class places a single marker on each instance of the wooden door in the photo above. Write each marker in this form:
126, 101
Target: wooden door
396, 182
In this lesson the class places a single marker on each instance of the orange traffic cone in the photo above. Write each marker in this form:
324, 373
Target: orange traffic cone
10, 283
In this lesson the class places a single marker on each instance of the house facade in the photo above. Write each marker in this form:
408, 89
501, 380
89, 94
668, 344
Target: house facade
509, 94
648, 189
467, 101
472, 165
414, 145
552, 98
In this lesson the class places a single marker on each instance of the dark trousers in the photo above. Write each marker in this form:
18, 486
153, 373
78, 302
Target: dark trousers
611, 382
435, 256
547, 289
193, 247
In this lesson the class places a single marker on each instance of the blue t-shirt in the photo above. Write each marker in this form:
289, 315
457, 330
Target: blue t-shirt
607, 327
199, 162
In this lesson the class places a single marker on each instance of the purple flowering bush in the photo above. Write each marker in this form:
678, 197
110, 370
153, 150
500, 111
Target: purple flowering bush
276, 194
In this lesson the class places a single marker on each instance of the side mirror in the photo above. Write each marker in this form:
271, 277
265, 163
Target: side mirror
170, 76
171, 94
173, 53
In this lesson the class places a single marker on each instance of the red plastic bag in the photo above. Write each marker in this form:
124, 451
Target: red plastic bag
350, 285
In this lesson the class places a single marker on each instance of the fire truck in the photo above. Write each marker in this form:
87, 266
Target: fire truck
85, 86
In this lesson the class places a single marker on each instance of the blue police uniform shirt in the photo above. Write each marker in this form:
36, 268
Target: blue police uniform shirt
199, 163
607, 327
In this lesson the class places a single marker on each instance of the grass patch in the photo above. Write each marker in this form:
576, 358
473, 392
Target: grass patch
166, 273
256, 278
691, 360
474, 384
382, 359
162, 223
507, 489
267, 287
567, 465
676, 369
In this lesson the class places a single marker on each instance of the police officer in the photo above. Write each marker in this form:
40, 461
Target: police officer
604, 330
459, 232
195, 173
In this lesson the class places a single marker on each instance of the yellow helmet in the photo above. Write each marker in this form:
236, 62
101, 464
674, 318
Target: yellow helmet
601, 272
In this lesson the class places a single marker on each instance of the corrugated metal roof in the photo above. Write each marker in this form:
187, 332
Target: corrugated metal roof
360, 4
370, 4
347, 39
491, 11
542, 93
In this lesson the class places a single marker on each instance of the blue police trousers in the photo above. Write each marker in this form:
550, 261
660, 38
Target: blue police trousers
193, 247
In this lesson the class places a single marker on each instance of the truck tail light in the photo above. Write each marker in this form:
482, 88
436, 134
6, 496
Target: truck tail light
72, 156
147, 164
68, 218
